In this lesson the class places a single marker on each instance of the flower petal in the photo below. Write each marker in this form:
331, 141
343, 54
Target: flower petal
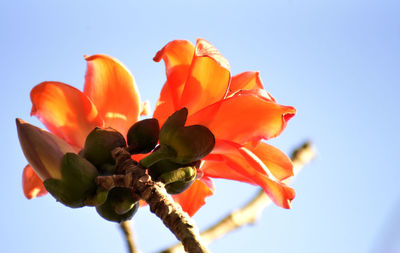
65, 111
248, 80
196, 76
112, 88
240, 155
165, 105
32, 184
277, 162
193, 198
214, 164
248, 116
208, 79
43, 150
280, 194
145, 108
177, 55
237, 160
138, 157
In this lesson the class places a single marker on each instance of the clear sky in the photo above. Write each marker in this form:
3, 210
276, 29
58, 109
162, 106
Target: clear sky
336, 61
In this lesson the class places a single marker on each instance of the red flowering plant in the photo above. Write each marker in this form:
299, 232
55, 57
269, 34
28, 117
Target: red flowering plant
237, 110
213, 126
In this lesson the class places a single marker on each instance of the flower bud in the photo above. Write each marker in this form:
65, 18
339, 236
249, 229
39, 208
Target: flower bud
161, 167
43, 150
176, 177
190, 143
179, 180
181, 144
98, 146
143, 136
98, 198
119, 206
77, 183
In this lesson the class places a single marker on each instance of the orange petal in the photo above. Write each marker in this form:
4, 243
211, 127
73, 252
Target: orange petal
214, 164
138, 157
236, 160
177, 55
280, 194
112, 89
277, 162
208, 79
65, 111
142, 203
247, 116
145, 108
193, 198
241, 155
165, 105
246, 81
32, 184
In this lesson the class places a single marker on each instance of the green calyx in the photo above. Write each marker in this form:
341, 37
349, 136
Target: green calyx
119, 206
179, 180
98, 198
143, 136
161, 153
176, 177
77, 181
98, 146
161, 167
190, 143
179, 143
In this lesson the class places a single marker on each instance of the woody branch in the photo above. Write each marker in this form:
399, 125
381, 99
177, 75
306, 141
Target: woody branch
250, 212
155, 195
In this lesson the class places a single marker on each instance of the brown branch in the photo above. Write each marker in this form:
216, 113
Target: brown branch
250, 212
155, 195
126, 229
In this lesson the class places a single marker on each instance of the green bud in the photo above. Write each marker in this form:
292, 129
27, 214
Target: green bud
162, 152
143, 136
181, 144
175, 121
161, 167
175, 177
77, 182
43, 150
190, 143
119, 206
179, 180
98, 146
98, 198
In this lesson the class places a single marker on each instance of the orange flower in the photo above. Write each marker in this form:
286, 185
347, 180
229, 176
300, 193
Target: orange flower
237, 110
110, 99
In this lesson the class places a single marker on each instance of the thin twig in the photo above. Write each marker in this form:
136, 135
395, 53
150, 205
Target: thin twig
126, 229
250, 212
160, 202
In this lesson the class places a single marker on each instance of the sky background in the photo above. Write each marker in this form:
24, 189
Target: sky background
336, 61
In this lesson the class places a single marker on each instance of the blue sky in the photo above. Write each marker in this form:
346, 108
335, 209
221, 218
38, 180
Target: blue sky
337, 62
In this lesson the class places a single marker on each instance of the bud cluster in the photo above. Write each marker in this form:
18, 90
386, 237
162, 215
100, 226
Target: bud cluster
174, 157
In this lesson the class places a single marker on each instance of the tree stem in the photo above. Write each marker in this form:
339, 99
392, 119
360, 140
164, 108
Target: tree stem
249, 213
155, 195
126, 229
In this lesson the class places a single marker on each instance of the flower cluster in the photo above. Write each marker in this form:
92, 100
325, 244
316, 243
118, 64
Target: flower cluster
236, 109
